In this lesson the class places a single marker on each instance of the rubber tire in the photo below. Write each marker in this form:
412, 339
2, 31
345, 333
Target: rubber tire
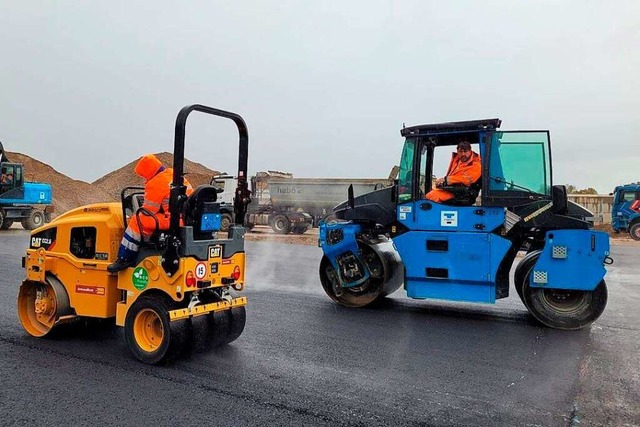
225, 222
237, 319
522, 270
35, 220
5, 223
281, 224
1, 218
634, 230
175, 334
538, 306
300, 229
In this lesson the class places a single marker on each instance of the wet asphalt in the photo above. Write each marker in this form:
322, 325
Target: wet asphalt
302, 360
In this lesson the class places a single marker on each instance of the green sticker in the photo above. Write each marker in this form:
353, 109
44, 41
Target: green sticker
140, 278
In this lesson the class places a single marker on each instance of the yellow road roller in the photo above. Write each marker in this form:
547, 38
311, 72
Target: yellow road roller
182, 289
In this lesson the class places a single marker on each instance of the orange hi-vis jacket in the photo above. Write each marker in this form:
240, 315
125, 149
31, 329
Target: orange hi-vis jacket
465, 173
156, 194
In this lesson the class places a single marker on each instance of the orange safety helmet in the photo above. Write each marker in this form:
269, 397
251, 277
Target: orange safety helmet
148, 166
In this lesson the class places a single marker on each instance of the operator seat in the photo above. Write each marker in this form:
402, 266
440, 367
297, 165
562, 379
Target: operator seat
195, 209
463, 195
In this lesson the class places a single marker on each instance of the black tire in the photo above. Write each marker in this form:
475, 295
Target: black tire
281, 224
237, 319
35, 220
522, 271
225, 222
208, 331
6, 224
150, 335
300, 229
565, 309
634, 231
1, 218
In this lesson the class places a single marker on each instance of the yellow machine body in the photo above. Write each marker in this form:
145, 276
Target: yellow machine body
77, 247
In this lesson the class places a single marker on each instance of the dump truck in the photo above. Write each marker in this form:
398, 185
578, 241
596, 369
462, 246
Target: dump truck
463, 249
291, 205
625, 211
27, 202
183, 287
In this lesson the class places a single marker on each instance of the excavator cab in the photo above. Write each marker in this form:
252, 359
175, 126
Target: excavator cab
183, 288
463, 249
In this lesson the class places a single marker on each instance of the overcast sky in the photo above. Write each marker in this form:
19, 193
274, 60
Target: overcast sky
324, 86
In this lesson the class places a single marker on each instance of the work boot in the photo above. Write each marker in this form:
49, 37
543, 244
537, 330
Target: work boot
120, 264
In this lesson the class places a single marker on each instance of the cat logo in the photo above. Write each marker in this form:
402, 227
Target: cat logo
36, 242
215, 251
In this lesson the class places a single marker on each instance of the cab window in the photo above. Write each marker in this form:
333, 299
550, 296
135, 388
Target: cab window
405, 174
630, 196
83, 242
520, 163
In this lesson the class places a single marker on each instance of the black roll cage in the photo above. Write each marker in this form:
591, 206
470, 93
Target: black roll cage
178, 195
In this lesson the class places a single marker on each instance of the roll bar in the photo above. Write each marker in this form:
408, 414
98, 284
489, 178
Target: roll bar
178, 189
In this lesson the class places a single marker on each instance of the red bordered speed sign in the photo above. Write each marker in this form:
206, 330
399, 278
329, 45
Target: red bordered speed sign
201, 270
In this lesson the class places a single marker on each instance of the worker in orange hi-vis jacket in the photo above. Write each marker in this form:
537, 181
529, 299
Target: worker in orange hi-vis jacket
465, 168
156, 200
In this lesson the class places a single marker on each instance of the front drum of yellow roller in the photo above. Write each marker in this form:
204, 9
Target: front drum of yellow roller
41, 306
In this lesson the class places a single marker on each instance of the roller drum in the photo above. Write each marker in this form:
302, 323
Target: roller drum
386, 274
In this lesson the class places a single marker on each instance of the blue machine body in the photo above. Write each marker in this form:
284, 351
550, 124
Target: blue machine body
450, 252
626, 206
31, 193
464, 249
571, 259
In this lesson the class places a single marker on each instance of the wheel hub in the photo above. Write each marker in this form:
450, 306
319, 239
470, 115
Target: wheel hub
43, 305
148, 330
564, 300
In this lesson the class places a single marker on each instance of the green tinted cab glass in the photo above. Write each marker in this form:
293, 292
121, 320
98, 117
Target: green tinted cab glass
520, 161
405, 182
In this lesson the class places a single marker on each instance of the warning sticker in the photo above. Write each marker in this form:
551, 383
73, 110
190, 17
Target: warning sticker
405, 208
449, 219
201, 270
89, 289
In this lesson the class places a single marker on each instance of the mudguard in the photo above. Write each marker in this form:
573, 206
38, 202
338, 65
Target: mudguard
571, 259
339, 244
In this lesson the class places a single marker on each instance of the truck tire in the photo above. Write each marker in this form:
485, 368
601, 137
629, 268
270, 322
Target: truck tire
634, 230
301, 229
281, 224
35, 220
5, 224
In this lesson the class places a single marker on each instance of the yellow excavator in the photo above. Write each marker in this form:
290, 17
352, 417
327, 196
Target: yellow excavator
183, 287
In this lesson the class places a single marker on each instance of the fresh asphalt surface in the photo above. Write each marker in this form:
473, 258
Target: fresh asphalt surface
303, 360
